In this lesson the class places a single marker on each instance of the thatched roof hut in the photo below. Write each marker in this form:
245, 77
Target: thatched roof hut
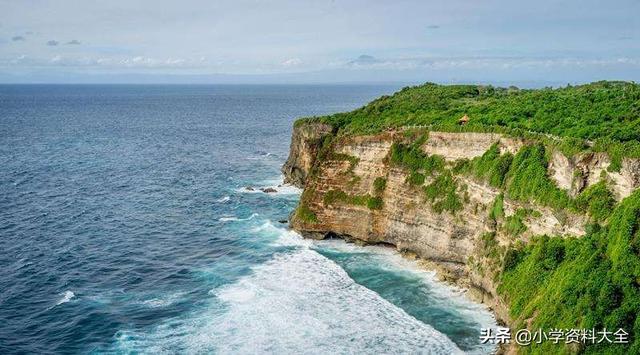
463, 120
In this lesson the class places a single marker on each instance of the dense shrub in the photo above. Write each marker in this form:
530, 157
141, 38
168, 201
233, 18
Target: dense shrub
588, 282
374, 203
597, 200
305, 214
514, 224
590, 111
601, 111
415, 179
442, 193
353, 161
379, 184
492, 166
527, 179
412, 158
497, 209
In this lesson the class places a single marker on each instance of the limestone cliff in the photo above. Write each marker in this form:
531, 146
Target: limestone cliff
352, 190
305, 142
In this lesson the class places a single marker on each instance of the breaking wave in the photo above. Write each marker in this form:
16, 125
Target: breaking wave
236, 219
299, 301
66, 297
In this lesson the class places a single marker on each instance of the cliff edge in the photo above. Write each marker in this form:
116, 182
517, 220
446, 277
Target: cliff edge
529, 199
453, 200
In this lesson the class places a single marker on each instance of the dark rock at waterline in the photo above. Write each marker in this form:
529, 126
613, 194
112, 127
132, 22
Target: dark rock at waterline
283, 221
249, 188
269, 190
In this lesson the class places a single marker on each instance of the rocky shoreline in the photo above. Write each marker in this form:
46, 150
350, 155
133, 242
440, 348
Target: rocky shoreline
353, 191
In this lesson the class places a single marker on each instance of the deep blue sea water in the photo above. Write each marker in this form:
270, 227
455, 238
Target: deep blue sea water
125, 228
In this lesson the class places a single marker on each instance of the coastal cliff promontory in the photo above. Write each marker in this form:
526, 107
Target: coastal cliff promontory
495, 204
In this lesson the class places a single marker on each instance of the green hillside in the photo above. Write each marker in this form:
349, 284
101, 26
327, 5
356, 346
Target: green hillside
550, 282
591, 111
603, 116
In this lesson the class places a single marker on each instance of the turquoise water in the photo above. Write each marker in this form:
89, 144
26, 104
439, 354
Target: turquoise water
125, 227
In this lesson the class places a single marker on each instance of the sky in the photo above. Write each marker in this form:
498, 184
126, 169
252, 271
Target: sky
326, 41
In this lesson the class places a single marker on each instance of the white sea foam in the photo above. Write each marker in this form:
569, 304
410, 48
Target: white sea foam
223, 199
165, 301
245, 190
260, 155
66, 297
286, 189
277, 184
299, 302
281, 189
282, 236
235, 219
304, 302
448, 296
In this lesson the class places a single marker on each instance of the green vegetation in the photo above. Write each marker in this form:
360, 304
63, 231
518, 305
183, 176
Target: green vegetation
605, 112
332, 197
597, 200
524, 177
490, 245
552, 282
379, 184
353, 161
324, 152
588, 282
412, 158
305, 214
527, 179
374, 203
442, 191
591, 111
415, 179
442, 194
617, 151
514, 224
497, 209
355, 179
491, 255
492, 166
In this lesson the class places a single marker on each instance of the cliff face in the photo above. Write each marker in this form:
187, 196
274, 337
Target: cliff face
455, 243
305, 143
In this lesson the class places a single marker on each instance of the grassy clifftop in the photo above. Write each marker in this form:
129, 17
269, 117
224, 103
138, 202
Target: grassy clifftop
602, 109
603, 116
548, 281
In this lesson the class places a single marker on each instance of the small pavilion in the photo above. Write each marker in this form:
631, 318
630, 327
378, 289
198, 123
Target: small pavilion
463, 120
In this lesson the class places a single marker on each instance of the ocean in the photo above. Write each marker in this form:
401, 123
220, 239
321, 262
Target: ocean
126, 227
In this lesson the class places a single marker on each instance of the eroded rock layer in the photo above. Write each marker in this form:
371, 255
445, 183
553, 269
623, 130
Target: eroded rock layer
352, 190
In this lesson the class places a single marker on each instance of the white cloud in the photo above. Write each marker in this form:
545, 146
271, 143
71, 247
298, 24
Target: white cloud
401, 63
292, 62
250, 37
